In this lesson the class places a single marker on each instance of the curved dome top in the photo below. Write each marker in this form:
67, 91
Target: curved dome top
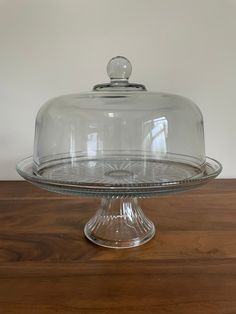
123, 125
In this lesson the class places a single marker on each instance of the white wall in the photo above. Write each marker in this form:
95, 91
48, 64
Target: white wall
53, 47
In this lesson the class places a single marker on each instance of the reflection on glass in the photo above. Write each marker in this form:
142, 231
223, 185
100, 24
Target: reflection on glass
112, 114
155, 134
72, 144
92, 144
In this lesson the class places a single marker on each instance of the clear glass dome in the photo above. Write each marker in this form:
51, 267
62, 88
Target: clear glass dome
119, 133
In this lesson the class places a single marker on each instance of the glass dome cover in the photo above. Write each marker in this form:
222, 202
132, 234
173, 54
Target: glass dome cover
119, 140
125, 124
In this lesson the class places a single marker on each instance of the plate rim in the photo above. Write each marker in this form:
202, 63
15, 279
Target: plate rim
109, 188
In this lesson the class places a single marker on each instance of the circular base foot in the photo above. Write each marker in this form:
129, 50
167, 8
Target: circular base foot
119, 223
118, 244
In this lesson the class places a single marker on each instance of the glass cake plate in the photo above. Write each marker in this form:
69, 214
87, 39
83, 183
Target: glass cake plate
112, 177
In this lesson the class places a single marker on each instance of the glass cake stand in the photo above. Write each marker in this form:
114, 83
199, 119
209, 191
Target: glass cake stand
119, 142
119, 180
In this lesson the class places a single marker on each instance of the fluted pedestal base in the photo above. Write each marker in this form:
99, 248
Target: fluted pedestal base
119, 223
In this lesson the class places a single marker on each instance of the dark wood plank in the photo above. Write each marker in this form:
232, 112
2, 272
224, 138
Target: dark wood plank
15, 190
120, 288
47, 266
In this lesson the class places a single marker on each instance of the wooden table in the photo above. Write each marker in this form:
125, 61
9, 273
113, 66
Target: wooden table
47, 266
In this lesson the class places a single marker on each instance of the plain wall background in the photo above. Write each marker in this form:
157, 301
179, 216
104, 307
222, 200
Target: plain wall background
54, 47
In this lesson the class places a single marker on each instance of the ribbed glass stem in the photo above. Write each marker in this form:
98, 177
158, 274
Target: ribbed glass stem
119, 223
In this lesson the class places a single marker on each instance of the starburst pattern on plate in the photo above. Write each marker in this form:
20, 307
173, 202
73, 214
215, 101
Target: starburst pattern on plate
119, 172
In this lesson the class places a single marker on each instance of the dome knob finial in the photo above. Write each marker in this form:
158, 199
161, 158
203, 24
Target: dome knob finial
119, 68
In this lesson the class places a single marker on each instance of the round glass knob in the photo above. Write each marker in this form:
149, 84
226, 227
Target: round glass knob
119, 68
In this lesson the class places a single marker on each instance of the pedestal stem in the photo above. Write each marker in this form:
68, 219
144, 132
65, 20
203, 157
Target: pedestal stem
119, 223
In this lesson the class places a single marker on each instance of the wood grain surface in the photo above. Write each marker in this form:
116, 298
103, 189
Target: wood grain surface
47, 265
